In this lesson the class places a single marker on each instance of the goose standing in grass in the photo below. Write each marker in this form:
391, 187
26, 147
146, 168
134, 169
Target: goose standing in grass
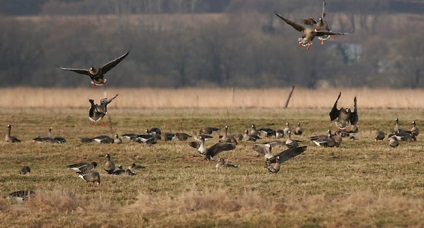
97, 75
379, 135
8, 137
98, 111
308, 34
298, 130
254, 131
287, 128
414, 130
344, 116
222, 164
90, 176
227, 138
21, 195
24, 170
109, 166
210, 152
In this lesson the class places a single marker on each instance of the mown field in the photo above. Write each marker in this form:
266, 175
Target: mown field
362, 184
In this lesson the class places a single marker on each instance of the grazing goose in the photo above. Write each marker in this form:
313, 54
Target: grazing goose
343, 116
154, 131
98, 111
24, 170
135, 166
118, 171
324, 140
396, 128
267, 132
279, 133
287, 154
379, 135
21, 195
129, 171
97, 75
208, 130
250, 137
147, 139
414, 130
82, 167
298, 130
10, 138
404, 136
393, 141
182, 136
212, 151
90, 176
320, 24
290, 143
49, 138
338, 139
104, 139
109, 166
222, 164
349, 132
168, 136
308, 34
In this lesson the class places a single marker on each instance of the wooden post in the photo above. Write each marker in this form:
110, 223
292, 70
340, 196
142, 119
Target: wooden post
288, 98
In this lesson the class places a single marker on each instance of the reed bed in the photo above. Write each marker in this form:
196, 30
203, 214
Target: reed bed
210, 98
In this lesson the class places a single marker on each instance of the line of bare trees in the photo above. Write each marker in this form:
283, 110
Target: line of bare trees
241, 48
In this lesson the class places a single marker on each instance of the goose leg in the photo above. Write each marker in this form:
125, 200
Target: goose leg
322, 42
333, 37
308, 47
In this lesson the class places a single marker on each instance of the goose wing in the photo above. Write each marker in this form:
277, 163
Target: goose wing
108, 66
76, 70
288, 154
293, 24
218, 148
322, 33
354, 115
334, 113
262, 149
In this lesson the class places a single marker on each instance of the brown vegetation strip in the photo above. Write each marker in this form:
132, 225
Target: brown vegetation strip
210, 98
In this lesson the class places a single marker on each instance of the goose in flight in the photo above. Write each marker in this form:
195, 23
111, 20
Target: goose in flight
97, 75
344, 116
308, 34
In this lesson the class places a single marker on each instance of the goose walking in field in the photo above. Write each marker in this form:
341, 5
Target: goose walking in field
8, 137
290, 143
308, 34
97, 75
298, 130
90, 176
98, 111
414, 130
344, 116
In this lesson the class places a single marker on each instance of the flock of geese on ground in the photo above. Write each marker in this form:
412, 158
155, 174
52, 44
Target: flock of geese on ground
344, 118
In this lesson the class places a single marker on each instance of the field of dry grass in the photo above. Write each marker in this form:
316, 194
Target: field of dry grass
362, 184
210, 98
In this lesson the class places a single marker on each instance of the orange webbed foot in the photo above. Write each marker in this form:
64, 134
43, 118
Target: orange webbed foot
333, 37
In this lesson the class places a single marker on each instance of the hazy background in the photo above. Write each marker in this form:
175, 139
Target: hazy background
209, 43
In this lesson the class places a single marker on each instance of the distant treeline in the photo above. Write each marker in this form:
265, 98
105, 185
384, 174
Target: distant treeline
238, 48
81, 7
